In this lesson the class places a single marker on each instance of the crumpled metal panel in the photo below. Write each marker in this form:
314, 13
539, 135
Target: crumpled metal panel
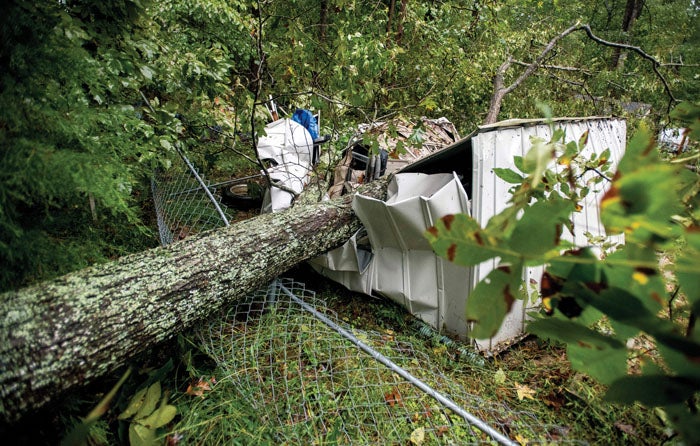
403, 266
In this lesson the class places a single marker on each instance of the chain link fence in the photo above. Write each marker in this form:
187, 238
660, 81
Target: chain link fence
319, 381
314, 379
185, 203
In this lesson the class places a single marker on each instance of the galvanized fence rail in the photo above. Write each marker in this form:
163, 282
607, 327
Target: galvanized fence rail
185, 204
318, 380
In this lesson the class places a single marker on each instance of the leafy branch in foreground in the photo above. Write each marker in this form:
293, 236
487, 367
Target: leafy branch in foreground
655, 204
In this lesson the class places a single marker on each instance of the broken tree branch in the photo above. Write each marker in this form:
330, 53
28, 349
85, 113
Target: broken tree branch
554, 67
500, 90
655, 63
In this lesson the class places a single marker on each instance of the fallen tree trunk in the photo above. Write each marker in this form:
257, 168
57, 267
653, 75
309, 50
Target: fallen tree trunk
61, 334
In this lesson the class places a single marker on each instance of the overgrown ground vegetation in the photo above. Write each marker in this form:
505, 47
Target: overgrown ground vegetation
533, 378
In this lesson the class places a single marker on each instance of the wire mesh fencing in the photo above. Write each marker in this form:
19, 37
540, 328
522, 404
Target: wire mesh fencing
300, 367
185, 203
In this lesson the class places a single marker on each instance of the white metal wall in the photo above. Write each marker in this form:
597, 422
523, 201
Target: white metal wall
494, 147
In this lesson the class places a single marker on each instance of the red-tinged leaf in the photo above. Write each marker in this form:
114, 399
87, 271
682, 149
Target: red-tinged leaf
447, 221
491, 300
452, 252
393, 398
583, 140
460, 239
508, 298
550, 285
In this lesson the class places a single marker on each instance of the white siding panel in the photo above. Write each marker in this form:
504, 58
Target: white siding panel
403, 266
495, 148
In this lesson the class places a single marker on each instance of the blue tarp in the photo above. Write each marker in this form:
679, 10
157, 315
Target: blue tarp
307, 119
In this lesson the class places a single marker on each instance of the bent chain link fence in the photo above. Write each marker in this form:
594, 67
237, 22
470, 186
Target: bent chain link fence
313, 378
314, 384
185, 203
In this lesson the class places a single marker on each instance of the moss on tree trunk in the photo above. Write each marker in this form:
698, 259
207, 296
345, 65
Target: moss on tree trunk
67, 332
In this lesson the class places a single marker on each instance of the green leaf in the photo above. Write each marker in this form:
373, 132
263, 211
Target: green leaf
492, 299
538, 231
146, 72
623, 271
150, 401
641, 152
141, 435
688, 274
460, 239
508, 175
583, 140
604, 363
624, 307
134, 404
678, 361
537, 159
162, 416
687, 423
642, 202
519, 163
570, 152
622, 331
570, 332
602, 357
659, 390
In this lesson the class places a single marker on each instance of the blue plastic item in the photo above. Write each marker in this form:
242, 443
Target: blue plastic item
307, 119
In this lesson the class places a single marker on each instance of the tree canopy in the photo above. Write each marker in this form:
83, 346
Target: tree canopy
95, 96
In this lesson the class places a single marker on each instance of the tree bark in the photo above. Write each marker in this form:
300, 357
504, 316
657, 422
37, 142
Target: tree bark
323, 21
67, 332
633, 9
500, 90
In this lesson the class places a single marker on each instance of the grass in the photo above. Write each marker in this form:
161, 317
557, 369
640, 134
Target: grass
331, 393
334, 394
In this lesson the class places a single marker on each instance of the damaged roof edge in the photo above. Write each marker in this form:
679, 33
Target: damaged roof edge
537, 121
423, 164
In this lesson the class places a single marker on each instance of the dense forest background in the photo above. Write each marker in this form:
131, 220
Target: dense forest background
94, 96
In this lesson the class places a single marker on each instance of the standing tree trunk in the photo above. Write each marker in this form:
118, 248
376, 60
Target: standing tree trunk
402, 19
323, 21
633, 9
67, 332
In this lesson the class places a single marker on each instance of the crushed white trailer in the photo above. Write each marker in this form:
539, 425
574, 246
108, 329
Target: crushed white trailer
391, 257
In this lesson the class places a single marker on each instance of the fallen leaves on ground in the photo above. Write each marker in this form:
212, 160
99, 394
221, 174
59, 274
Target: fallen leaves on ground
524, 391
393, 398
626, 428
418, 436
201, 386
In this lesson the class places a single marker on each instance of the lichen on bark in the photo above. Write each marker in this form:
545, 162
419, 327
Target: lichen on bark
67, 332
